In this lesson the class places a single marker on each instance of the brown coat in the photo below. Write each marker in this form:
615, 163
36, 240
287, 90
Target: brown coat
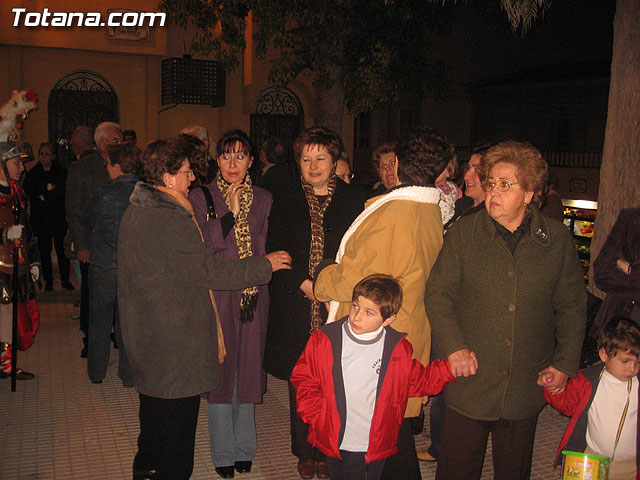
401, 238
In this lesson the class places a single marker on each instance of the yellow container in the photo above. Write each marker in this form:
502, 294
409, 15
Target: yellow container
582, 466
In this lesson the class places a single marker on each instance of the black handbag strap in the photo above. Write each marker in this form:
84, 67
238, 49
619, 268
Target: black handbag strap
211, 209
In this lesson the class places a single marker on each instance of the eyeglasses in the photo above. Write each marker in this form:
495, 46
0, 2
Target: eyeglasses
345, 176
502, 185
188, 173
387, 166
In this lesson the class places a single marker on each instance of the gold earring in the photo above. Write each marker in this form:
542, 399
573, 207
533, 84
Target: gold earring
171, 186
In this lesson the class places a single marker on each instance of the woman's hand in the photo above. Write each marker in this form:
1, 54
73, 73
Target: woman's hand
307, 289
623, 265
552, 379
234, 192
463, 363
279, 260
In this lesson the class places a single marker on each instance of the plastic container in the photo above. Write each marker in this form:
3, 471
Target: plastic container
582, 466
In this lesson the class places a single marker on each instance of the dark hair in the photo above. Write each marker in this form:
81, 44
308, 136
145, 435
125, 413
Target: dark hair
198, 157
620, 334
275, 151
531, 169
164, 156
125, 155
423, 154
379, 151
228, 140
383, 290
129, 133
480, 148
318, 137
47, 144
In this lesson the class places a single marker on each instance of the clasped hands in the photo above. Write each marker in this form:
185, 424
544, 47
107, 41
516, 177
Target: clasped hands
464, 363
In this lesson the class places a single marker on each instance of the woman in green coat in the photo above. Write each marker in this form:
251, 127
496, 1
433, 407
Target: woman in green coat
507, 286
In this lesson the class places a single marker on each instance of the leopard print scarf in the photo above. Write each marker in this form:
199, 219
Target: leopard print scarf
316, 249
249, 299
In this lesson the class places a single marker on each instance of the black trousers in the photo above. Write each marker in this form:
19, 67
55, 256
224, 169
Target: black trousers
464, 443
167, 436
44, 245
404, 464
353, 467
84, 299
300, 447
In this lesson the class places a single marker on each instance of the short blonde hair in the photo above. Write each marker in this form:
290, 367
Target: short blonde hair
531, 169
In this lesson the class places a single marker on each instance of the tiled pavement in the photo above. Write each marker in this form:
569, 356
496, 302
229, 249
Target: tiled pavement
61, 426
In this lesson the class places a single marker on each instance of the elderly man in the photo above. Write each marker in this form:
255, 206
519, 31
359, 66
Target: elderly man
81, 145
84, 178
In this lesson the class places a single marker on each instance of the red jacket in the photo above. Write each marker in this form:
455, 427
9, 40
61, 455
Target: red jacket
321, 397
574, 401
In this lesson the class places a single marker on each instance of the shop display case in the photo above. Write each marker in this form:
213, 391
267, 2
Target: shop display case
580, 217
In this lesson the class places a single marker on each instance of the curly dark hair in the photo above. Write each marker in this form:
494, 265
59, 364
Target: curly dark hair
423, 154
126, 155
318, 137
164, 156
531, 169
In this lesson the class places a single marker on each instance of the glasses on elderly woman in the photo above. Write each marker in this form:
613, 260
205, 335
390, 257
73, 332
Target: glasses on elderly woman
502, 185
384, 166
188, 173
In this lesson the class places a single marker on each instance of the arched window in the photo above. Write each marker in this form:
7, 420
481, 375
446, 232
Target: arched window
79, 98
278, 114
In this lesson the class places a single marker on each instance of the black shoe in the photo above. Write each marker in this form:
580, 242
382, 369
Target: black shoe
67, 285
21, 375
225, 472
48, 287
243, 467
96, 381
144, 474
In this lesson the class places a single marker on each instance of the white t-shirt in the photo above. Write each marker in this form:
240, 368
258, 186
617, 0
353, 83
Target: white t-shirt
605, 414
361, 359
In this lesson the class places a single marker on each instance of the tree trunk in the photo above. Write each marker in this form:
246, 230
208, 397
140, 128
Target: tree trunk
620, 169
331, 103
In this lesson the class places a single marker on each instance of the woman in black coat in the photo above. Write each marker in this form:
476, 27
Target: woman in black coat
308, 220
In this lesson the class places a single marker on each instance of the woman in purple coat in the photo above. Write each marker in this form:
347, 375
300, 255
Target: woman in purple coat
236, 227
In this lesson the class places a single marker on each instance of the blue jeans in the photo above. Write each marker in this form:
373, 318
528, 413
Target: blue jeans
103, 312
232, 432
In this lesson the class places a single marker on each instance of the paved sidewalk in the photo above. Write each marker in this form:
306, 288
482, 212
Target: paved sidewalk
61, 426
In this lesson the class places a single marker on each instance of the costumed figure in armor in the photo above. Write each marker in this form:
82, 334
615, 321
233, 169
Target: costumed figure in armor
14, 232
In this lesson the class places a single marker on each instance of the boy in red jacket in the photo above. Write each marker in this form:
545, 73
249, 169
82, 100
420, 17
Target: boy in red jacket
354, 378
603, 402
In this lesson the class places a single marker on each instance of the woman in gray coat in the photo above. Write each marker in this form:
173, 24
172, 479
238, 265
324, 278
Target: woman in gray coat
507, 285
168, 316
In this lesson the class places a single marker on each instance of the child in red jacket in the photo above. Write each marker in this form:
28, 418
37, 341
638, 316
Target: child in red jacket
603, 402
354, 378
